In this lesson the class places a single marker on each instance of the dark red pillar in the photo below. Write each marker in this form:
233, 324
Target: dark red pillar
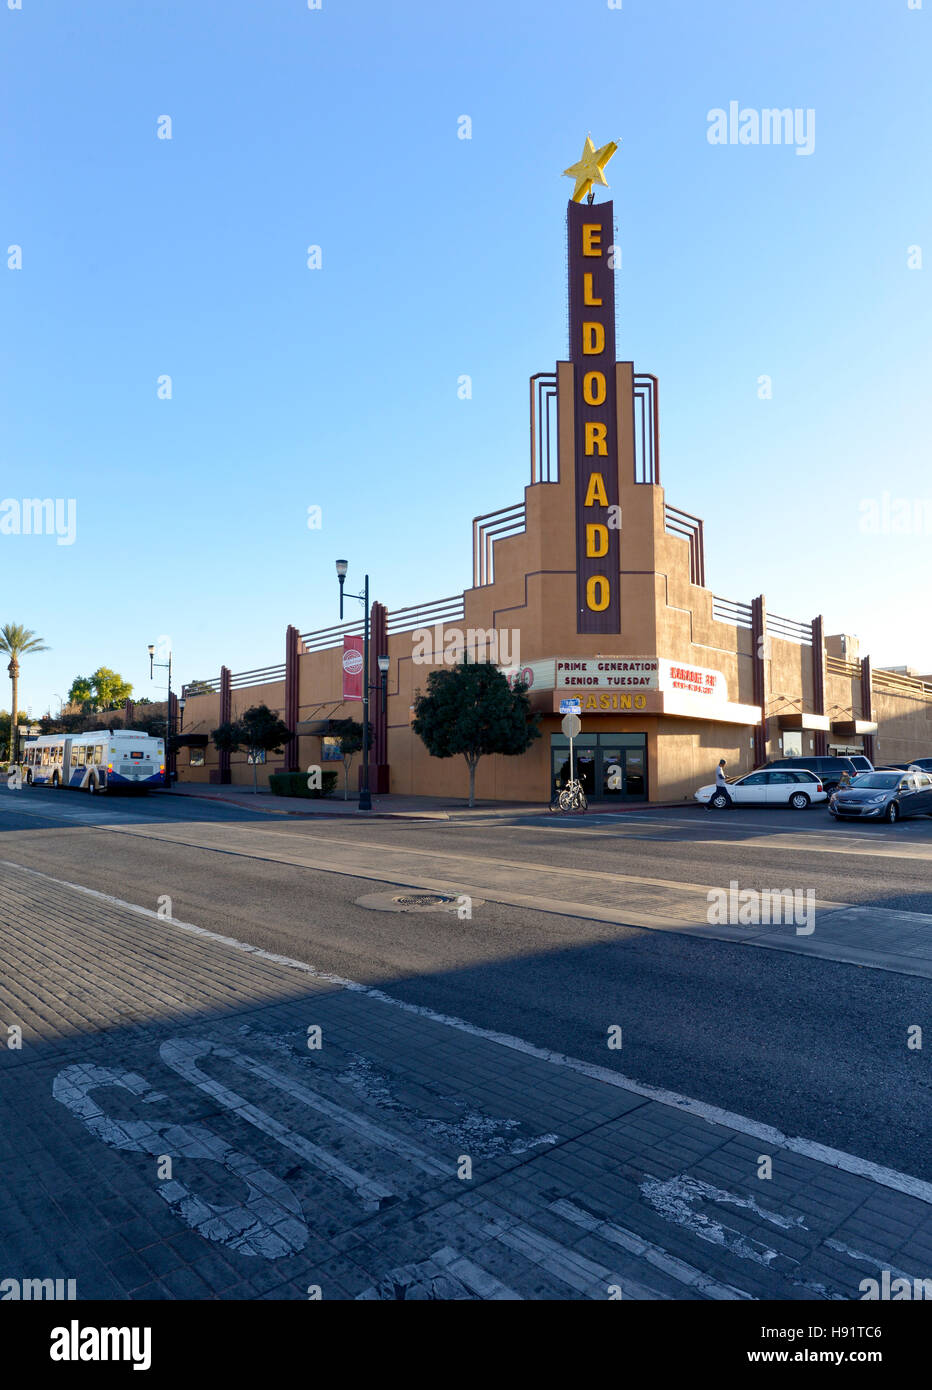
226, 707
170, 756
818, 682
292, 643
759, 642
867, 704
378, 646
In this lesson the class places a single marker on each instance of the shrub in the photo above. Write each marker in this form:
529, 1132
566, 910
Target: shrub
295, 784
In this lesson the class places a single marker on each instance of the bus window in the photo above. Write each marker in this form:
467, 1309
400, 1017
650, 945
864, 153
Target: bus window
82, 754
45, 757
98, 753
74, 755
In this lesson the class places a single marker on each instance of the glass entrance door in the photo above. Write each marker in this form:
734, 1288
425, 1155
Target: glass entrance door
585, 756
636, 774
613, 773
611, 767
623, 774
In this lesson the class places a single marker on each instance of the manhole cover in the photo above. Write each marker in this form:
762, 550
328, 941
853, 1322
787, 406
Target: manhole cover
423, 899
460, 905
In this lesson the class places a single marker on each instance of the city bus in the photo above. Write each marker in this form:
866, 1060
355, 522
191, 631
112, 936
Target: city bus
98, 761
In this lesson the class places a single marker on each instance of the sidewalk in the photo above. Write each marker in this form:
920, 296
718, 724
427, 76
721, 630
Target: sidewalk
393, 805
189, 1118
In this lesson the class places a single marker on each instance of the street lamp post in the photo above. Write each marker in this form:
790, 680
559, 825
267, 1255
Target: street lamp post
168, 710
181, 704
365, 795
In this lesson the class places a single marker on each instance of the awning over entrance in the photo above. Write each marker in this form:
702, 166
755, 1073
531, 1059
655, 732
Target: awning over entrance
796, 722
853, 728
191, 740
315, 728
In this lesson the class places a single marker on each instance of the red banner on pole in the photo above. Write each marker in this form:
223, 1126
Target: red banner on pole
352, 668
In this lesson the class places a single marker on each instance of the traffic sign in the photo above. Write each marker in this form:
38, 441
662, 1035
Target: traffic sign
571, 725
570, 707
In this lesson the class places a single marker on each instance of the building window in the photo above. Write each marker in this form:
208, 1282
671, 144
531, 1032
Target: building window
793, 743
197, 757
330, 750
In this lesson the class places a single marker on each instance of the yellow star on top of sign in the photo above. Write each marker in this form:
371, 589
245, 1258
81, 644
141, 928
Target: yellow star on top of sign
589, 169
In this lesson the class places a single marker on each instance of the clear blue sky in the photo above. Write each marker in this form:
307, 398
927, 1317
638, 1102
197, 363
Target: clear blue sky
444, 257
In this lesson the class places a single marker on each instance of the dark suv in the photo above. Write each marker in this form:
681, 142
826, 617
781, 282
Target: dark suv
828, 770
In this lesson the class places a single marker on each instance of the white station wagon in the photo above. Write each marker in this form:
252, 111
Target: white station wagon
776, 786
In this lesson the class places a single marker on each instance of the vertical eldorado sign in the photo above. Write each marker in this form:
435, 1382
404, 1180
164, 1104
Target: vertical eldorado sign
592, 353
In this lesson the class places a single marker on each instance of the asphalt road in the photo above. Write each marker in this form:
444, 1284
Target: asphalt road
814, 1047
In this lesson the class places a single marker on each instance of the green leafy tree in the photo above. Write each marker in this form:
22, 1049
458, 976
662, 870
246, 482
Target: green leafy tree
17, 641
348, 732
81, 693
258, 731
103, 690
5, 729
471, 709
110, 688
199, 688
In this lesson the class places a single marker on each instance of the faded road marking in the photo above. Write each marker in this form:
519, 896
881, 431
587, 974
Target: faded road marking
270, 1223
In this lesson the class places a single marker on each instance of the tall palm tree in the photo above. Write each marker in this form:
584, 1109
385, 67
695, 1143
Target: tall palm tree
17, 640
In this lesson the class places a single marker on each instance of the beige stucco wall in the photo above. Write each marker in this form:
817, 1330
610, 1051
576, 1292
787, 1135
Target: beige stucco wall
904, 727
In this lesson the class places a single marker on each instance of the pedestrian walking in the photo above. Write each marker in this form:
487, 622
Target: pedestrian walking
721, 783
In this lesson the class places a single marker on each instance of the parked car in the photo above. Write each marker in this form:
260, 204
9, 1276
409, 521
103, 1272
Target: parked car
885, 796
924, 763
796, 787
828, 770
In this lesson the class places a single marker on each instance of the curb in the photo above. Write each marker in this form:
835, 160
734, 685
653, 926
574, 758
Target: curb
535, 809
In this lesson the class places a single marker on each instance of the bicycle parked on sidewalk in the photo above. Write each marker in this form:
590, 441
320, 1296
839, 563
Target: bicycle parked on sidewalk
570, 798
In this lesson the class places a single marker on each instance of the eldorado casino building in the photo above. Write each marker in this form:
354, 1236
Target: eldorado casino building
599, 583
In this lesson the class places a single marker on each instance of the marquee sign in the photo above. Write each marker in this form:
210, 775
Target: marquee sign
612, 674
592, 353
632, 685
